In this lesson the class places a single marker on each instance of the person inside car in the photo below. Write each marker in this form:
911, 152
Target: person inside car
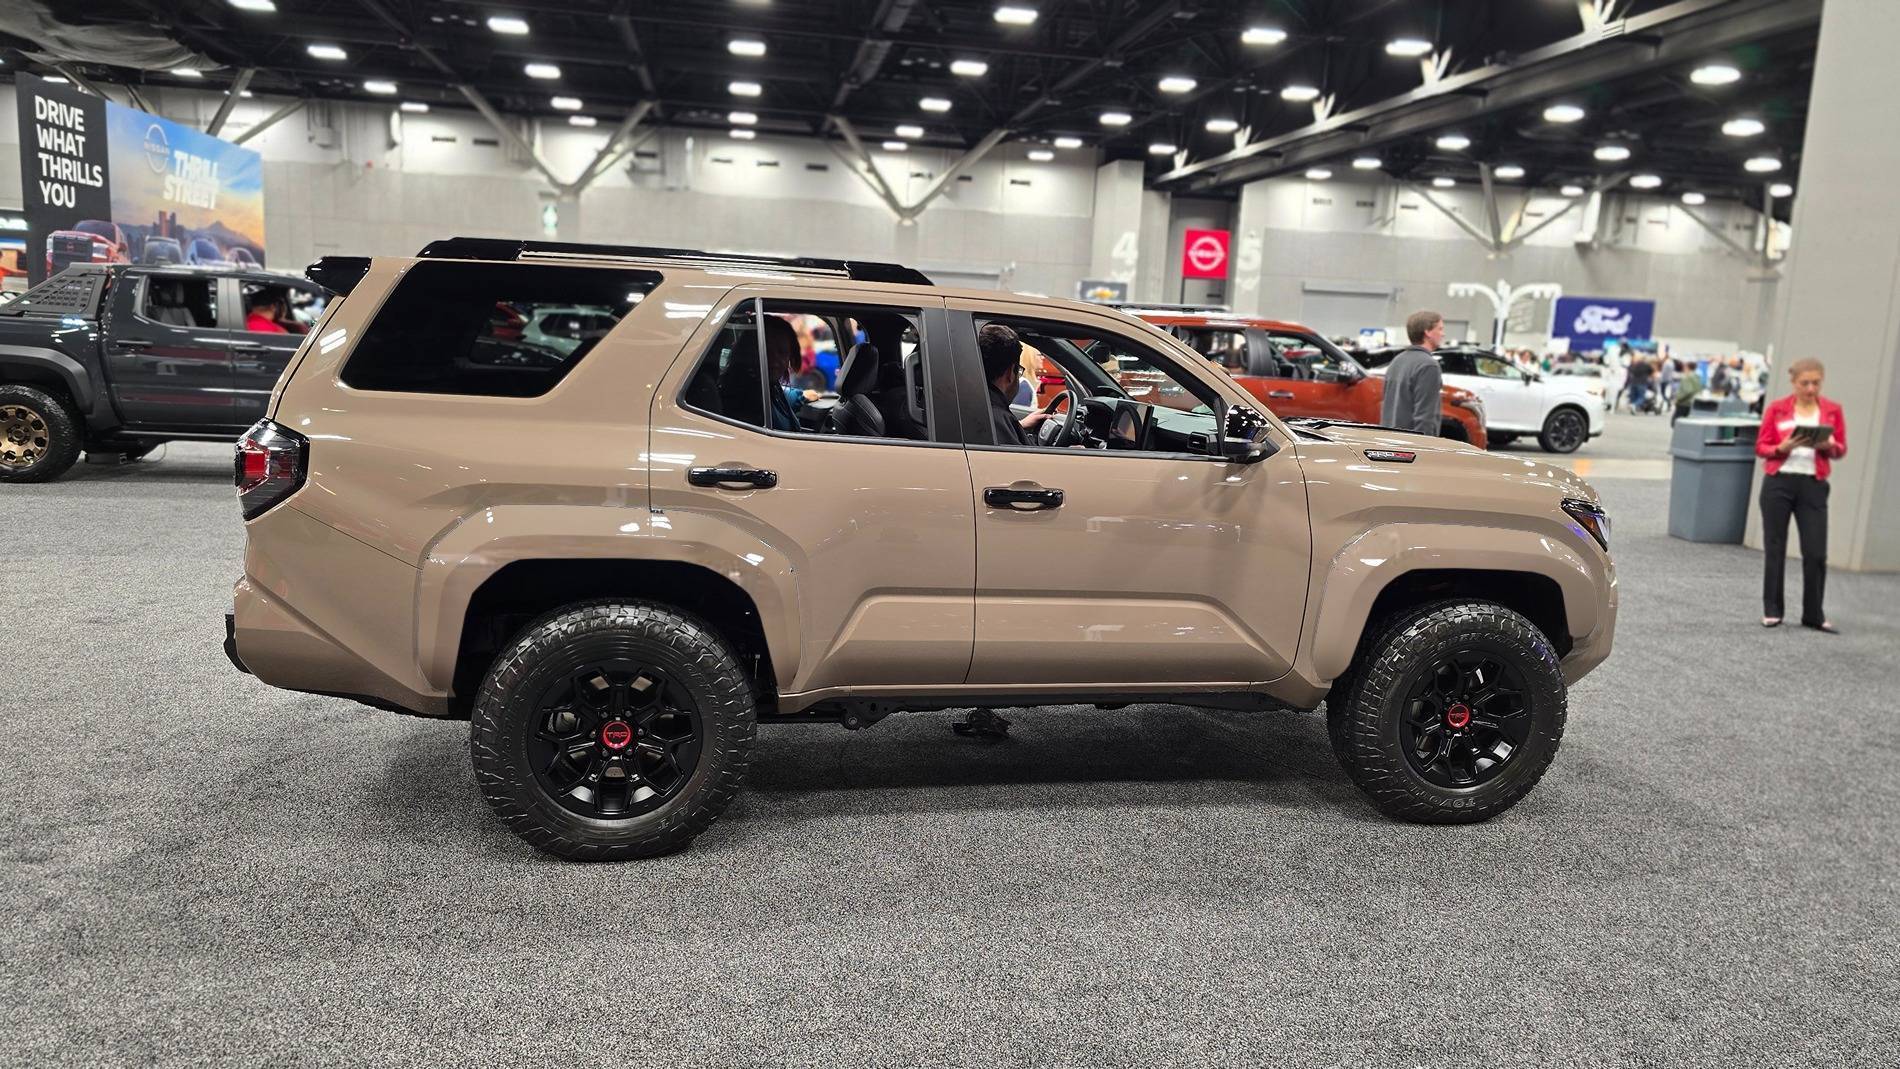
266, 309
1002, 365
782, 359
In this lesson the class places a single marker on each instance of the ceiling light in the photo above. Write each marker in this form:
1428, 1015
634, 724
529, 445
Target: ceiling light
746, 46
969, 68
1781, 189
187, 72
254, 5
1454, 142
1176, 83
566, 103
326, 52
1068, 142
1715, 74
936, 104
742, 118
897, 146
382, 88
1444, 183
508, 24
582, 120
744, 89
1367, 163
1262, 35
1612, 153
1161, 148
1222, 126
1563, 113
741, 134
1572, 191
247, 94
1299, 94
910, 130
1646, 181
1763, 165
1409, 47
1509, 170
541, 70
1116, 118
1319, 174
1014, 15
414, 107
1041, 155
1743, 127
1693, 199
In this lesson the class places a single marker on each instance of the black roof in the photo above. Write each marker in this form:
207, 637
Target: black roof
510, 249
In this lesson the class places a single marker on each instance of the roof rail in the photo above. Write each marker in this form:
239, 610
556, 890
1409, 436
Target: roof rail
1159, 307
510, 249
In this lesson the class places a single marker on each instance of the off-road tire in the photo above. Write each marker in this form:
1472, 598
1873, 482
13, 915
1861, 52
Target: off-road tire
55, 425
1365, 706
1565, 430
688, 650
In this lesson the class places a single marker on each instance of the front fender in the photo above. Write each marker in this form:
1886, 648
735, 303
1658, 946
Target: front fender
41, 359
467, 555
1371, 562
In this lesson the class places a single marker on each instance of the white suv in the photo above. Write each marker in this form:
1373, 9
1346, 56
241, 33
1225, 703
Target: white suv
1563, 411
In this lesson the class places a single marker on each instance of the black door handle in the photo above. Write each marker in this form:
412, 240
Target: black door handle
135, 343
1025, 499
754, 477
248, 347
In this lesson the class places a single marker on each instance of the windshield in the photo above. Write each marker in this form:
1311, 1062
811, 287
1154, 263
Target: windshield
98, 228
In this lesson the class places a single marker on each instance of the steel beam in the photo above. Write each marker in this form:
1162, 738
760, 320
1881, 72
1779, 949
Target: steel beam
1491, 207
1679, 33
1156, 15
1734, 246
609, 152
503, 128
1476, 234
238, 85
72, 74
271, 120
864, 166
942, 182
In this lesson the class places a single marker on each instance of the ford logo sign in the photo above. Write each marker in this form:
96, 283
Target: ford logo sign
1602, 319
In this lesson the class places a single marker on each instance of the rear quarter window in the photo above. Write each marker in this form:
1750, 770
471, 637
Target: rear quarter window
492, 330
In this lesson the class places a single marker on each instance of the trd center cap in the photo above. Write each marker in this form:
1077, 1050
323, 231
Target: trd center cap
616, 735
1458, 717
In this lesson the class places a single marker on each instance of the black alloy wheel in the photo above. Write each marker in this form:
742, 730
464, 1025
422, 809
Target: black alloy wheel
1465, 719
1565, 430
614, 739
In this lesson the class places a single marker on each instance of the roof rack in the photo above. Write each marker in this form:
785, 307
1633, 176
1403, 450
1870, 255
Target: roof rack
1156, 306
508, 249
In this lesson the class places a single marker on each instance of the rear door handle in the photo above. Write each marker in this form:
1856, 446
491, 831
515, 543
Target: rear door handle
1022, 499
757, 478
135, 343
1284, 395
248, 347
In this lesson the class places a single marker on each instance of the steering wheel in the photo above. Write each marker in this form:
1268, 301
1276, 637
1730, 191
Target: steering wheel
1061, 431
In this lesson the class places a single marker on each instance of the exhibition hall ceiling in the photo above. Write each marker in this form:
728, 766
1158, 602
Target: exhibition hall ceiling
1211, 93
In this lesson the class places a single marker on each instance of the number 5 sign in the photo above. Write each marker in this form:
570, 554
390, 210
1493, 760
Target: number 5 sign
1204, 254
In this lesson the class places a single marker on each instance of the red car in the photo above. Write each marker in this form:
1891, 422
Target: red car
94, 241
1296, 372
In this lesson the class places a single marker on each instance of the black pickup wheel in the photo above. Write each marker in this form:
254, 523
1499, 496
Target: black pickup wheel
612, 730
39, 435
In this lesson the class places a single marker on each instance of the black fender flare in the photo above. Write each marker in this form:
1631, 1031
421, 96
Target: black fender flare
70, 371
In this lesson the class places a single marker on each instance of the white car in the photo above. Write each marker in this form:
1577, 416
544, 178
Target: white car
1595, 372
1563, 411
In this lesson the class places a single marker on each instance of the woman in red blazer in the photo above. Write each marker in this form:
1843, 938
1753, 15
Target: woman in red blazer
1796, 485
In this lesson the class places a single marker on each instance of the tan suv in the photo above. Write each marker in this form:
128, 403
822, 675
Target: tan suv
617, 548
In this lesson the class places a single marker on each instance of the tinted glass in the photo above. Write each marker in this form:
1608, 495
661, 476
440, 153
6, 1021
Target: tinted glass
180, 302
729, 381
475, 328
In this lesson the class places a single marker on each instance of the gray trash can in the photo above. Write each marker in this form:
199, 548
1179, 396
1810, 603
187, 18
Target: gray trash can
1708, 485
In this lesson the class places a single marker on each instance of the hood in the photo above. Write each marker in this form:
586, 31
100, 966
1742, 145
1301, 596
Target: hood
1438, 459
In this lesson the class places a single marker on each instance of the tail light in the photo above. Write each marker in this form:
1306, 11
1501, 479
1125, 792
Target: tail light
271, 462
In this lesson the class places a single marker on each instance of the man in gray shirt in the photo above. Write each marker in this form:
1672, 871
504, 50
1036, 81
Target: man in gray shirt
1413, 382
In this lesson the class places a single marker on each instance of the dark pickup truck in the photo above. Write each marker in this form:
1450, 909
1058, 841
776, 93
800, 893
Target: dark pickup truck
114, 359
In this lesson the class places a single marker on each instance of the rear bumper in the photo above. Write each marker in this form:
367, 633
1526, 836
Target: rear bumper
268, 639
230, 642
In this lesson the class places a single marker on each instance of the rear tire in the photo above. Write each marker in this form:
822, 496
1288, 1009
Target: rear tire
1402, 750
1565, 430
612, 730
1498, 438
39, 435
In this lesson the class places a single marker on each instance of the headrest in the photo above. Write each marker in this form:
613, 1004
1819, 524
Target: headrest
859, 373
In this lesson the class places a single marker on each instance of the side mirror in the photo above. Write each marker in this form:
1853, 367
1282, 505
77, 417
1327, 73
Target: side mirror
1246, 451
1246, 441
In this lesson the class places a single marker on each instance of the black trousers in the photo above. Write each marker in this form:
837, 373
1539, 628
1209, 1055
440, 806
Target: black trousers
1805, 498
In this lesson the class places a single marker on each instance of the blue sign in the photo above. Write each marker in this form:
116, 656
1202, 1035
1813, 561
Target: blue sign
1602, 319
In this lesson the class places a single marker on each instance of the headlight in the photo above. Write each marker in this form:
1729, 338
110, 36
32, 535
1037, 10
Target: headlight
1472, 402
1594, 387
1591, 518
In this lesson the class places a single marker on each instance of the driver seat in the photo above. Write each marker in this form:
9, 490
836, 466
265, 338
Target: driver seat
857, 413
166, 303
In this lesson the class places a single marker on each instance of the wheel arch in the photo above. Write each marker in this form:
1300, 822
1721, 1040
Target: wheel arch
1396, 566
30, 365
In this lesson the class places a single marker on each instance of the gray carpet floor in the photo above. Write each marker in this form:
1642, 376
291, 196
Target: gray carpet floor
201, 870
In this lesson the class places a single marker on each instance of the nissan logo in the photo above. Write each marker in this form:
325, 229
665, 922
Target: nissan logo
158, 150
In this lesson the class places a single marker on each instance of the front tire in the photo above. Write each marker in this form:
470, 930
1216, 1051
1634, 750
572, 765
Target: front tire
1453, 714
612, 730
1565, 430
39, 435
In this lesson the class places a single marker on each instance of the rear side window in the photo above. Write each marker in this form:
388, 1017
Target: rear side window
494, 330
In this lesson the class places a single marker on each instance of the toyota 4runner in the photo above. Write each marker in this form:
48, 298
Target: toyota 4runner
617, 554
